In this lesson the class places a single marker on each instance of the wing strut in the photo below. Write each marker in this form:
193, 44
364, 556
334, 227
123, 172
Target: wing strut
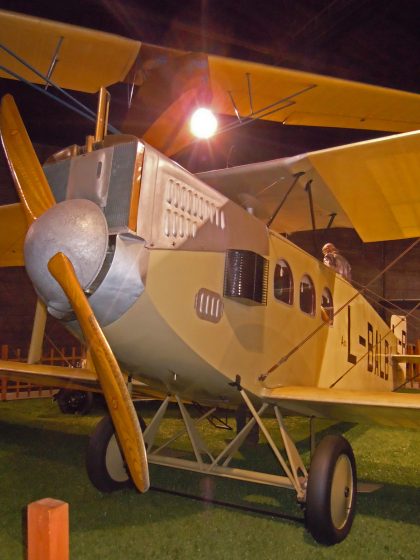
296, 177
331, 220
308, 190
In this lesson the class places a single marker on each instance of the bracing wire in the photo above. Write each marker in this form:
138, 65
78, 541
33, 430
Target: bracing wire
78, 106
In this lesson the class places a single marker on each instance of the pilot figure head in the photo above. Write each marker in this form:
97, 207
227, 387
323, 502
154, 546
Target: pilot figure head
329, 248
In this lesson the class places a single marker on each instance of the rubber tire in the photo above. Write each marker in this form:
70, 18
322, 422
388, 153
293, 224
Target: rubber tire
98, 470
74, 402
318, 512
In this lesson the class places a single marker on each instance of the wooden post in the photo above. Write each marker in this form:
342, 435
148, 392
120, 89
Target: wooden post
48, 530
4, 356
411, 349
417, 366
18, 383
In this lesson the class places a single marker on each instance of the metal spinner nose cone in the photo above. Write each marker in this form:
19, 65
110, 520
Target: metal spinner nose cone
76, 228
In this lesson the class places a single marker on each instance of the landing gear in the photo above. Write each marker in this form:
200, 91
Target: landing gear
331, 491
242, 416
74, 402
104, 463
327, 493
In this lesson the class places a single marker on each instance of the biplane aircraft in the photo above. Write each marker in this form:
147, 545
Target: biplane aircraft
187, 282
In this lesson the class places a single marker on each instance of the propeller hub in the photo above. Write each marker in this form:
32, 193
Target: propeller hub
76, 228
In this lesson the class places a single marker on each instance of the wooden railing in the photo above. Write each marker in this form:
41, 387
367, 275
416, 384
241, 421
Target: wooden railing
11, 390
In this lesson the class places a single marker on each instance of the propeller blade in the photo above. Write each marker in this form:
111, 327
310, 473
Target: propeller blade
119, 403
30, 181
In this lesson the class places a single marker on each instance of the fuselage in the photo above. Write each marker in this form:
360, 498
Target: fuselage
197, 292
163, 339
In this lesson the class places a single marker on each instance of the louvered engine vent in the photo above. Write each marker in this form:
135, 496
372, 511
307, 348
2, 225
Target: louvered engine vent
246, 277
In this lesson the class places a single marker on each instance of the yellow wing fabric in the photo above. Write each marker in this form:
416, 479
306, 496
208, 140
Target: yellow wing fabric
309, 99
383, 408
377, 184
13, 228
277, 94
87, 59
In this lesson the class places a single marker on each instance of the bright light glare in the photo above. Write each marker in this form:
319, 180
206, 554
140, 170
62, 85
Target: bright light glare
203, 123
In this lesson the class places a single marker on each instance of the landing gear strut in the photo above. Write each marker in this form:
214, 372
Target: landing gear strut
327, 492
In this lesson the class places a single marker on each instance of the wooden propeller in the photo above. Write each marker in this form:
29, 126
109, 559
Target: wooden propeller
119, 403
36, 198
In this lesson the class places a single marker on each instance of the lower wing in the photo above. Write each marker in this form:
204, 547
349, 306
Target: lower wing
385, 408
50, 376
83, 379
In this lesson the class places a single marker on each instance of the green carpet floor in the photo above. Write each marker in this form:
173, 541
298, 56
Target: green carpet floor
42, 455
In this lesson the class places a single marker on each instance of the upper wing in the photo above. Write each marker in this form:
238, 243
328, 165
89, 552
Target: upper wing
86, 59
171, 82
300, 98
387, 409
371, 186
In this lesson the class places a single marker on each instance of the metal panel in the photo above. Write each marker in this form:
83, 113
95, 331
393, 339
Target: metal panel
106, 176
179, 211
208, 305
89, 176
58, 175
120, 186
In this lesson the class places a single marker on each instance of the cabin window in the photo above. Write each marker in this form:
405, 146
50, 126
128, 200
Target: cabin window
283, 282
327, 306
307, 295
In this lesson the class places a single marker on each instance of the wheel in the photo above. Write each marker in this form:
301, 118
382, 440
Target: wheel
331, 491
74, 402
104, 462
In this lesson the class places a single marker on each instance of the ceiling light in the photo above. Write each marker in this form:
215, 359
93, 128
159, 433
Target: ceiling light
203, 123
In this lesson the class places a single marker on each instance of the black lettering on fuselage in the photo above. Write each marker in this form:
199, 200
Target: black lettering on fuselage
351, 358
370, 347
386, 372
378, 349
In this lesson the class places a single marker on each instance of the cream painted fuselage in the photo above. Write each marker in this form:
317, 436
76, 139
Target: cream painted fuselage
163, 339
183, 333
